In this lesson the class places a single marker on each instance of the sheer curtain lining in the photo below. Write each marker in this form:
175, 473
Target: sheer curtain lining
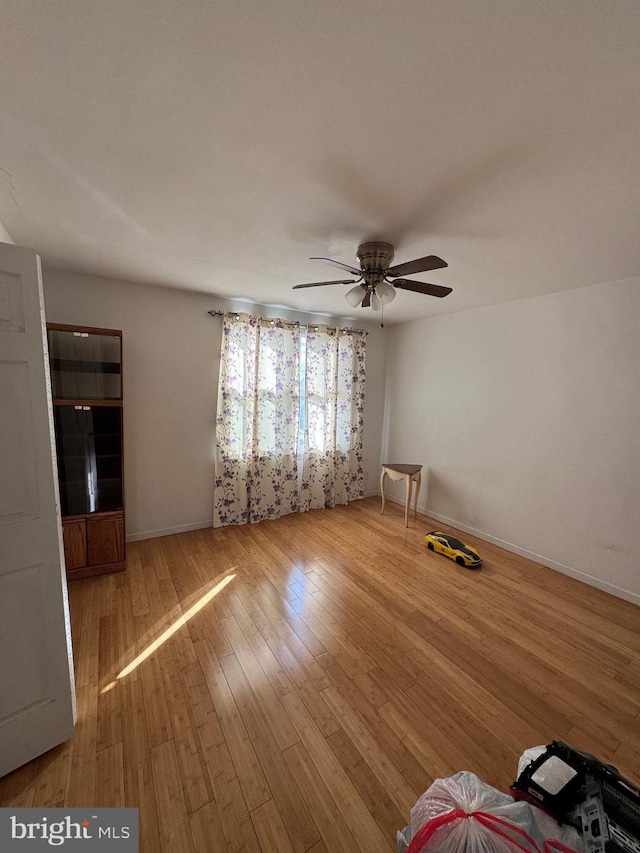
286, 392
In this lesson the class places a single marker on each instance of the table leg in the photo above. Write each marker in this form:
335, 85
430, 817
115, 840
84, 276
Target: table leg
383, 474
407, 504
415, 505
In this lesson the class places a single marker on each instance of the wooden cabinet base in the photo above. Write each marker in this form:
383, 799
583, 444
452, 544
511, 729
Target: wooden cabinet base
75, 544
94, 544
90, 571
105, 539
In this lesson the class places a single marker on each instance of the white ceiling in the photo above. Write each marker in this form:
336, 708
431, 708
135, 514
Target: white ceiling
217, 144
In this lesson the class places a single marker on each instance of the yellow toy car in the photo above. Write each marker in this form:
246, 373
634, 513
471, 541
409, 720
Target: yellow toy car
444, 543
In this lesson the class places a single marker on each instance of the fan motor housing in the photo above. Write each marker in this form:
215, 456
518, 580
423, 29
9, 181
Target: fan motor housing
375, 255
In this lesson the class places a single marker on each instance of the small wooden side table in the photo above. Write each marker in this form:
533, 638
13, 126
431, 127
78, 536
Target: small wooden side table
410, 474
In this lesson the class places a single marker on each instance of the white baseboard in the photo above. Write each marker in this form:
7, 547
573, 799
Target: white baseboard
619, 592
184, 528
167, 531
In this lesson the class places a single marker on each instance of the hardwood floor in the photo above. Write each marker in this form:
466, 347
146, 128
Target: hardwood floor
296, 685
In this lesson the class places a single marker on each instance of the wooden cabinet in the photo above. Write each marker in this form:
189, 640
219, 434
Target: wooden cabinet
94, 544
86, 380
105, 540
74, 535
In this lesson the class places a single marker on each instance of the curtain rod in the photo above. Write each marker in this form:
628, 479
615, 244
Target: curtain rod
316, 326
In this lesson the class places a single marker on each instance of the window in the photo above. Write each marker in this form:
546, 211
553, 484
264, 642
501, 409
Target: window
290, 402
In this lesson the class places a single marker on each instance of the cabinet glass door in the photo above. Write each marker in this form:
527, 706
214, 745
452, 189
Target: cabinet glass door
85, 366
88, 446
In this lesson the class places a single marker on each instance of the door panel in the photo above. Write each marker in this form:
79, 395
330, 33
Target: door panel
22, 607
11, 312
20, 503
37, 703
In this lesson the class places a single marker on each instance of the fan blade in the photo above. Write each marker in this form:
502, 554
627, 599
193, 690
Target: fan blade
366, 302
431, 262
422, 287
321, 283
352, 270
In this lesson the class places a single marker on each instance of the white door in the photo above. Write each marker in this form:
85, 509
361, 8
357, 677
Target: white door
37, 701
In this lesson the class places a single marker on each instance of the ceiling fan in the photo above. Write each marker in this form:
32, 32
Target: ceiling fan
377, 281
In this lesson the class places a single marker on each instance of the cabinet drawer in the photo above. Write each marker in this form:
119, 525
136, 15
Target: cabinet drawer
105, 540
74, 535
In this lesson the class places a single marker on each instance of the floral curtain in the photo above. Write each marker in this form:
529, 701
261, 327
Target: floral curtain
332, 471
257, 421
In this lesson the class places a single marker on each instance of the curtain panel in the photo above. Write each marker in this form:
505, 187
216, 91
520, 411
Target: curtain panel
332, 471
257, 421
290, 419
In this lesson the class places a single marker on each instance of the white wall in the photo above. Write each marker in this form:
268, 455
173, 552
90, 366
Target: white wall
527, 418
171, 359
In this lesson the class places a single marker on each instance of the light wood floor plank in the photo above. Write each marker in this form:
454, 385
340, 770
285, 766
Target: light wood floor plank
157, 717
278, 721
286, 794
109, 706
173, 825
376, 758
366, 831
193, 771
207, 835
110, 777
17, 789
333, 828
52, 777
305, 706
270, 829
139, 790
232, 809
354, 704
80, 789
373, 794
252, 780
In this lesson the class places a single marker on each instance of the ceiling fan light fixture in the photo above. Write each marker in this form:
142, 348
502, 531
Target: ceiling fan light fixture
378, 281
385, 292
355, 295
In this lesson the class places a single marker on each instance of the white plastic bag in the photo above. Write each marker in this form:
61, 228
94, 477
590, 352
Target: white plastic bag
528, 756
462, 814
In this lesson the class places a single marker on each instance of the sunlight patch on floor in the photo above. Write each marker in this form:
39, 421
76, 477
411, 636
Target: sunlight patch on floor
170, 631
